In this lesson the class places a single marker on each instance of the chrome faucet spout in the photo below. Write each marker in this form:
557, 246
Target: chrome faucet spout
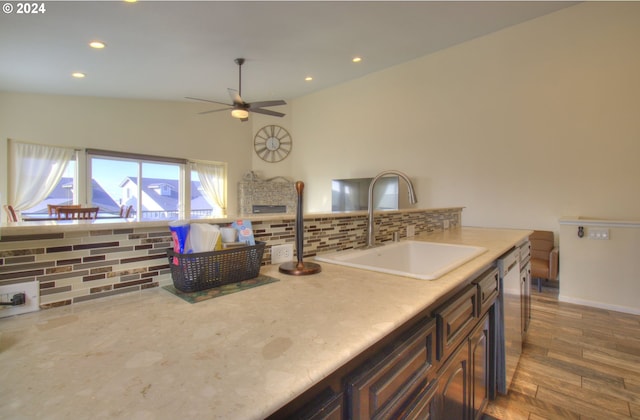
371, 240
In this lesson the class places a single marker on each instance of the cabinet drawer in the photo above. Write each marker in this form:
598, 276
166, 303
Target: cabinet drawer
328, 405
380, 387
421, 408
487, 285
455, 320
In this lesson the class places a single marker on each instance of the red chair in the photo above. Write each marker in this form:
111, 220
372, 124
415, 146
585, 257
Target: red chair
11, 213
75, 213
53, 208
126, 211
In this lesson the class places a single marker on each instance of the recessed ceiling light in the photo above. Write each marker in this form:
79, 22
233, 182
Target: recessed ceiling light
356, 59
78, 75
308, 79
130, 1
97, 44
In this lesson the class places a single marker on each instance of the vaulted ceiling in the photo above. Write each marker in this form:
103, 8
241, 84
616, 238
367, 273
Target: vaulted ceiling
172, 49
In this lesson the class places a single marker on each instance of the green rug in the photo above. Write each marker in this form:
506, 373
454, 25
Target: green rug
227, 289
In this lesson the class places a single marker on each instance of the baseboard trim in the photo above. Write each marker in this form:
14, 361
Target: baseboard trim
600, 305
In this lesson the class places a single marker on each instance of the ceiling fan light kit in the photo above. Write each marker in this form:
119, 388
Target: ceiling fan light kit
239, 108
240, 113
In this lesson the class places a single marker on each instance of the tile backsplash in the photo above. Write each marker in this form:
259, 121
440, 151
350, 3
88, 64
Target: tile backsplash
76, 266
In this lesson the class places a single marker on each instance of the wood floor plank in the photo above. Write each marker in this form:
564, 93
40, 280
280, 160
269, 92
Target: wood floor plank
611, 389
584, 367
523, 384
583, 408
632, 384
507, 411
537, 406
577, 363
542, 370
614, 358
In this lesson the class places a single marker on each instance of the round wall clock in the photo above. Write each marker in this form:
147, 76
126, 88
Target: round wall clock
272, 143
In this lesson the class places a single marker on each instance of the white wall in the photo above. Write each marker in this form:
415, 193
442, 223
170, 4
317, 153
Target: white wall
521, 127
151, 127
600, 273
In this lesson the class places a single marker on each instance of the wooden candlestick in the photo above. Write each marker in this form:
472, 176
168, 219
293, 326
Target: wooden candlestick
300, 268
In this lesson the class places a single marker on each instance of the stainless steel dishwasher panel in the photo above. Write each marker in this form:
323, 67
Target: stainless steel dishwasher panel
509, 334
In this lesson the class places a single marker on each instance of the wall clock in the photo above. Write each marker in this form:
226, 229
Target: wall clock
272, 143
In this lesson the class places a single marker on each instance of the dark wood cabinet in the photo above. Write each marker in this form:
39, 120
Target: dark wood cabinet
488, 290
384, 386
455, 319
453, 390
480, 369
439, 367
423, 406
328, 405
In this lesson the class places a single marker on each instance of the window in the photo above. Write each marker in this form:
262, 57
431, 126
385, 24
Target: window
208, 189
156, 187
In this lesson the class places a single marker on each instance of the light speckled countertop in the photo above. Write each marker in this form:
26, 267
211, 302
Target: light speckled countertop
151, 355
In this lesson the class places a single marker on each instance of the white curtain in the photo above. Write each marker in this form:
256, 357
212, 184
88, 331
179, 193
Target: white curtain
213, 179
34, 172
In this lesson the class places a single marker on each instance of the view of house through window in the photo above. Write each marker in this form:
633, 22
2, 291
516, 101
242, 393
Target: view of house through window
154, 189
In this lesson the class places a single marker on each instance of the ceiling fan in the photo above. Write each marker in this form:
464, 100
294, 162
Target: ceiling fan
239, 108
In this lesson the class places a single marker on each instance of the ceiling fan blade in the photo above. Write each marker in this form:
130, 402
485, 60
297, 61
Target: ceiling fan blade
235, 96
207, 100
267, 103
214, 110
266, 112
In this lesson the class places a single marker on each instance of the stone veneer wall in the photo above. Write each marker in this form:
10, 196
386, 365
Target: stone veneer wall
266, 193
77, 266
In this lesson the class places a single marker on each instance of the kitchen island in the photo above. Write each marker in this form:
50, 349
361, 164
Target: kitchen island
151, 355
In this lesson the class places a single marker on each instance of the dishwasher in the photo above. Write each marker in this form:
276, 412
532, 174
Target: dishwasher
509, 314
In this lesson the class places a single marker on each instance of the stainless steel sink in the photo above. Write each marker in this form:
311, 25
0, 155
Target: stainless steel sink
416, 259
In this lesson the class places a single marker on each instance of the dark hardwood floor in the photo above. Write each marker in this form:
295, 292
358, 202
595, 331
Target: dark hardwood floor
577, 362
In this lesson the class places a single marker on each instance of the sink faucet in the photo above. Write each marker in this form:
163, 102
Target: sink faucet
412, 199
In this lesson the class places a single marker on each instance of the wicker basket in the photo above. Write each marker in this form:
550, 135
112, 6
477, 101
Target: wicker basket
204, 270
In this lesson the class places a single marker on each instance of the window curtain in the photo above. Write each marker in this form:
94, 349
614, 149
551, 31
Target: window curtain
34, 172
213, 179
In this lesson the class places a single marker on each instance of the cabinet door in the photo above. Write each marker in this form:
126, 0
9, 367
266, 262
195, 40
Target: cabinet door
452, 395
480, 351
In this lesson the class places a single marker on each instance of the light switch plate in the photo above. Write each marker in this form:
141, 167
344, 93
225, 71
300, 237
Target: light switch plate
598, 233
411, 231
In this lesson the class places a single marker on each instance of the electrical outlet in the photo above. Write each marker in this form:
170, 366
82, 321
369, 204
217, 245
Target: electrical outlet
445, 224
281, 253
411, 231
31, 292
